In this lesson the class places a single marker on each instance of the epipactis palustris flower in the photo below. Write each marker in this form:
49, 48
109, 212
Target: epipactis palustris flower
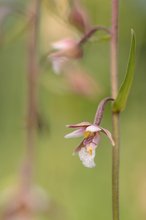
91, 134
69, 49
65, 50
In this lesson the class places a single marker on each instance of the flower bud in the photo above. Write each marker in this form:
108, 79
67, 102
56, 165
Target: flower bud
79, 18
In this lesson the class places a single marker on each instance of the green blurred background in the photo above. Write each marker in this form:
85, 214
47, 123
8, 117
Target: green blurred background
79, 193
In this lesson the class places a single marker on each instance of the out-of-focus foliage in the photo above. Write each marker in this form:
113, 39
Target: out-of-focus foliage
78, 192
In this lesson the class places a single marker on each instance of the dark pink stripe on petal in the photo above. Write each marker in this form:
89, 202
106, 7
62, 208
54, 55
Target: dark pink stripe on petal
82, 124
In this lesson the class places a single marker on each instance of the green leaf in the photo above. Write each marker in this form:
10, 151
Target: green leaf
121, 100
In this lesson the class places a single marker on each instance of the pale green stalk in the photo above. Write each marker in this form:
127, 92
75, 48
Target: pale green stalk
115, 115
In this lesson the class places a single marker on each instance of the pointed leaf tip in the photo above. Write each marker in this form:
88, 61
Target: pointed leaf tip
121, 100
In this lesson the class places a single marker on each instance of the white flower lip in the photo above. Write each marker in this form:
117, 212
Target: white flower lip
93, 128
86, 158
91, 145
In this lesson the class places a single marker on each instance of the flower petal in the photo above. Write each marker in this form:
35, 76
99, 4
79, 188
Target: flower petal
91, 146
86, 158
77, 149
82, 124
74, 134
108, 133
64, 44
93, 128
88, 140
96, 140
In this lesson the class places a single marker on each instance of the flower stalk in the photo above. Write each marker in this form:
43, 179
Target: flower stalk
100, 110
115, 115
27, 171
93, 30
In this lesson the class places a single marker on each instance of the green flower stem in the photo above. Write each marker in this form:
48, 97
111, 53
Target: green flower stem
115, 116
115, 167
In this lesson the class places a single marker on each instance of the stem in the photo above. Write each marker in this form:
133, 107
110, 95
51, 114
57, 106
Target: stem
100, 110
115, 116
91, 32
115, 167
27, 172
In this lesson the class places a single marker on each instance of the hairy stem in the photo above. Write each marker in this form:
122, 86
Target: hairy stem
27, 172
115, 116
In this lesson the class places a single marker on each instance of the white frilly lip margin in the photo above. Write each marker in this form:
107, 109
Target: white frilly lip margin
86, 158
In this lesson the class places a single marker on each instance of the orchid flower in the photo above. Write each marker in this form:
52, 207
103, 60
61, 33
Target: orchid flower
70, 49
91, 133
66, 50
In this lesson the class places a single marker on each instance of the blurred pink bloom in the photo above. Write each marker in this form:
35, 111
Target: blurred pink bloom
91, 134
79, 17
80, 82
25, 204
66, 50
